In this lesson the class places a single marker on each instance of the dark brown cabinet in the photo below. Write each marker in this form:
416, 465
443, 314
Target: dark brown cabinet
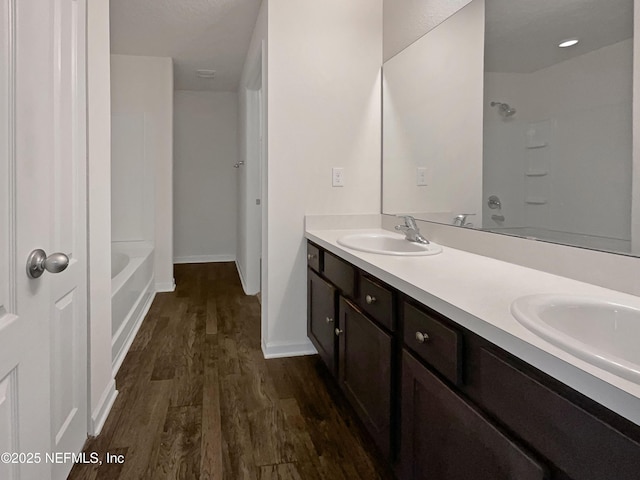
353, 344
442, 403
445, 438
340, 273
377, 301
365, 371
571, 438
313, 257
438, 344
321, 323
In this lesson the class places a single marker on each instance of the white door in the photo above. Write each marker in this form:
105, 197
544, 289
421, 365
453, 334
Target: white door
42, 199
68, 225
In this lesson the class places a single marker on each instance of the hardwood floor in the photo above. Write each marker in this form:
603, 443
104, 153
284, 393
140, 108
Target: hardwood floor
198, 400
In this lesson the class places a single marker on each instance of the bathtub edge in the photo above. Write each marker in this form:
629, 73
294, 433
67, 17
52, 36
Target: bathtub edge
119, 357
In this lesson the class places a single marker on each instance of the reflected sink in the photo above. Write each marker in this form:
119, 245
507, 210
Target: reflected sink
387, 244
603, 333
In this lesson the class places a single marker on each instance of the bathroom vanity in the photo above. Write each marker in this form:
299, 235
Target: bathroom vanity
448, 395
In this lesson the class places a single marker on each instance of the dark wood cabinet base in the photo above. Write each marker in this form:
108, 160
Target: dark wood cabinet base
447, 438
443, 403
365, 371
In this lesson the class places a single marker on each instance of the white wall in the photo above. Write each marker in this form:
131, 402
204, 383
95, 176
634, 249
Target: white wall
433, 120
323, 111
132, 174
253, 154
142, 99
101, 383
588, 154
205, 150
405, 21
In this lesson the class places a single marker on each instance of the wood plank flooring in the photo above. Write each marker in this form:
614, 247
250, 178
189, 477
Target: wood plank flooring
198, 400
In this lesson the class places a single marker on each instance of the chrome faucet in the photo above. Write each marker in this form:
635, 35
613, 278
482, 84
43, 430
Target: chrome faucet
411, 230
461, 220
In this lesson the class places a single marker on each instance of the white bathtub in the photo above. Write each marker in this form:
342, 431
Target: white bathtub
131, 294
118, 263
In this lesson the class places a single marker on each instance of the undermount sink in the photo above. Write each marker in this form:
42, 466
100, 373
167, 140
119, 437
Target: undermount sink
387, 244
603, 333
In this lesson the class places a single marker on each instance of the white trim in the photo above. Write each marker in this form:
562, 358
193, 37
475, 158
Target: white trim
117, 362
10, 64
282, 350
100, 414
242, 281
205, 259
162, 287
244, 285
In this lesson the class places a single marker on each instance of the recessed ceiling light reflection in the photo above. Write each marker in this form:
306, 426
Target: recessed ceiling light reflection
570, 42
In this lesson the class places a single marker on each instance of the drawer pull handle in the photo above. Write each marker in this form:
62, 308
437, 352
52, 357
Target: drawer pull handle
329, 320
311, 256
338, 332
422, 337
370, 299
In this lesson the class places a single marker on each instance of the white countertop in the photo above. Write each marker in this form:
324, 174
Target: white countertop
476, 292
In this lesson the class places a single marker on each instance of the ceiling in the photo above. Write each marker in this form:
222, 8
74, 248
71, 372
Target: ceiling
522, 36
197, 34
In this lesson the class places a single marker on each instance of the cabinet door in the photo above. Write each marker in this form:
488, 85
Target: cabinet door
445, 438
365, 371
321, 314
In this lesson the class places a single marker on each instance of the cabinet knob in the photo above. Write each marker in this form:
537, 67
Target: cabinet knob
422, 337
338, 332
329, 320
311, 256
370, 299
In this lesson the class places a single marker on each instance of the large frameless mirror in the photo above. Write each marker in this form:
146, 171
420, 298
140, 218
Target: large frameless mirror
515, 116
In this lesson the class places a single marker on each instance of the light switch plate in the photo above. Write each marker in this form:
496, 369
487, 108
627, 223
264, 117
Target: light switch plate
337, 174
421, 177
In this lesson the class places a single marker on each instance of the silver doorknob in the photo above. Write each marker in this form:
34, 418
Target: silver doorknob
239, 164
38, 262
422, 337
370, 299
329, 320
338, 332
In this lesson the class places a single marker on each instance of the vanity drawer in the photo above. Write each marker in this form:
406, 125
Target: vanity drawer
377, 301
313, 257
433, 341
581, 445
340, 273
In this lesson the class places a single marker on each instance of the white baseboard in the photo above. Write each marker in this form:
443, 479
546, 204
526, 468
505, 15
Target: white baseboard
245, 289
282, 350
100, 414
204, 259
162, 287
117, 361
244, 285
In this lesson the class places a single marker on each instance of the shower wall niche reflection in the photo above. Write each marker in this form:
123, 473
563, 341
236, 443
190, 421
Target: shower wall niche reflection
558, 138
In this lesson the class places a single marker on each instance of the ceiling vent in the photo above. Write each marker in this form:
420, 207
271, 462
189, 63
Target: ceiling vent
203, 73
